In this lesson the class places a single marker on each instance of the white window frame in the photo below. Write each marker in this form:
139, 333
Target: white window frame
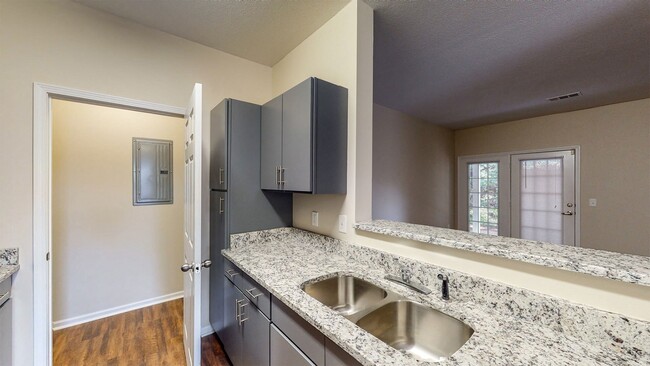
504, 189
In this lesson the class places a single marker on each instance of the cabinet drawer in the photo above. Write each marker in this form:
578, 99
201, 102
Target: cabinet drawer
233, 273
284, 352
303, 334
257, 294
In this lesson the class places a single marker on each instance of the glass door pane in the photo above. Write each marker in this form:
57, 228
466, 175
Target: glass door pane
543, 197
483, 199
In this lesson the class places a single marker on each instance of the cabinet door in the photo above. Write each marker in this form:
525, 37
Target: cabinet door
271, 144
297, 155
256, 337
219, 145
217, 243
284, 352
231, 334
336, 356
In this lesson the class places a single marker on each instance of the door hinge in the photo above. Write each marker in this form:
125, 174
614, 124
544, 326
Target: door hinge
47, 256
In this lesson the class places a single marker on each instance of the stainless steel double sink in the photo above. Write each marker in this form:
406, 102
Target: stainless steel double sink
426, 333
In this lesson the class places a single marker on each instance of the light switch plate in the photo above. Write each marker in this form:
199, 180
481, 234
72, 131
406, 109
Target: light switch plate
593, 202
343, 223
314, 218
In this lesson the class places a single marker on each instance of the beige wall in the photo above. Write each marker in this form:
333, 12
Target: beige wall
105, 251
67, 44
614, 145
413, 169
335, 53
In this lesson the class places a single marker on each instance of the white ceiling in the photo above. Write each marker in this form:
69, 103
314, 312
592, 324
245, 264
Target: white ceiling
261, 31
450, 62
467, 63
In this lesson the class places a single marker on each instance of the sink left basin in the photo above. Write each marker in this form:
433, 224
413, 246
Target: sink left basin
345, 294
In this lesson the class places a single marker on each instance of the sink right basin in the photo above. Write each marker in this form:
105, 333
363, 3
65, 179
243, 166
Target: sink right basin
428, 334
345, 294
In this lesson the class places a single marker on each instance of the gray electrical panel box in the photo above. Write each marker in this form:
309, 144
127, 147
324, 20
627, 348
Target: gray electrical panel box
153, 173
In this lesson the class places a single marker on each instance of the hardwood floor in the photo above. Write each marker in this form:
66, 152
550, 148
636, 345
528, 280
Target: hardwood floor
148, 336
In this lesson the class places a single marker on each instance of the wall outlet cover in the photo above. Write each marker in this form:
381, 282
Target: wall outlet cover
314, 218
343, 223
593, 202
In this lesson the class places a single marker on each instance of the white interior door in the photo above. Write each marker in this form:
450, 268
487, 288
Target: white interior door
192, 230
544, 197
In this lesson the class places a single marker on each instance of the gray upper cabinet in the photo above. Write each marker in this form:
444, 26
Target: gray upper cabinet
297, 127
304, 148
219, 145
271, 144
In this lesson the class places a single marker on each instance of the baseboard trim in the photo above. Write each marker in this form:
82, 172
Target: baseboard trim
65, 323
206, 330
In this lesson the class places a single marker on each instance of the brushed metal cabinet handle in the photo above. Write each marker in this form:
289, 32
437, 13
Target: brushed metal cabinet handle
250, 292
231, 273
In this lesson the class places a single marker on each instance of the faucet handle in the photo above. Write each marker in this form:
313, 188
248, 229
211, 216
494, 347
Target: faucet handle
406, 274
445, 286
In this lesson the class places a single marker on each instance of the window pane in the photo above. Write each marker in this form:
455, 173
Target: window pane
483, 197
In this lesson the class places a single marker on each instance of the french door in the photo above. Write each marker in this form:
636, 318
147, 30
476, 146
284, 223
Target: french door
522, 195
543, 202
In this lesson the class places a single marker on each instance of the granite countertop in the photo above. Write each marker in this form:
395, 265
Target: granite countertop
8, 263
622, 267
6, 270
282, 263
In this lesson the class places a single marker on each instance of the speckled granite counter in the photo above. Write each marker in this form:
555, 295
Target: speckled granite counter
512, 326
616, 266
8, 263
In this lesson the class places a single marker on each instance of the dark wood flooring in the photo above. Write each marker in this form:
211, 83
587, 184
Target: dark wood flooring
148, 336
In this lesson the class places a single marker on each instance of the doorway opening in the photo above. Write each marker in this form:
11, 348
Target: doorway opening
109, 254
44, 95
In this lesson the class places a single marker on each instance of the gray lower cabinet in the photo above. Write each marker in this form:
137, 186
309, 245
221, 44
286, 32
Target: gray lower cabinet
304, 139
5, 323
245, 336
231, 336
284, 352
251, 339
336, 356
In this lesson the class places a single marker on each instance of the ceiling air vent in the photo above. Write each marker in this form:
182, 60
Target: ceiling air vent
564, 96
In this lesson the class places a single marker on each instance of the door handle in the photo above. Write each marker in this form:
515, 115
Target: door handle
567, 213
206, 263
277, 175
187, 267
221, 200
221, 171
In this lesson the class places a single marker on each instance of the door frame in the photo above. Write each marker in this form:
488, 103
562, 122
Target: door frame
41, 195
507, 155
